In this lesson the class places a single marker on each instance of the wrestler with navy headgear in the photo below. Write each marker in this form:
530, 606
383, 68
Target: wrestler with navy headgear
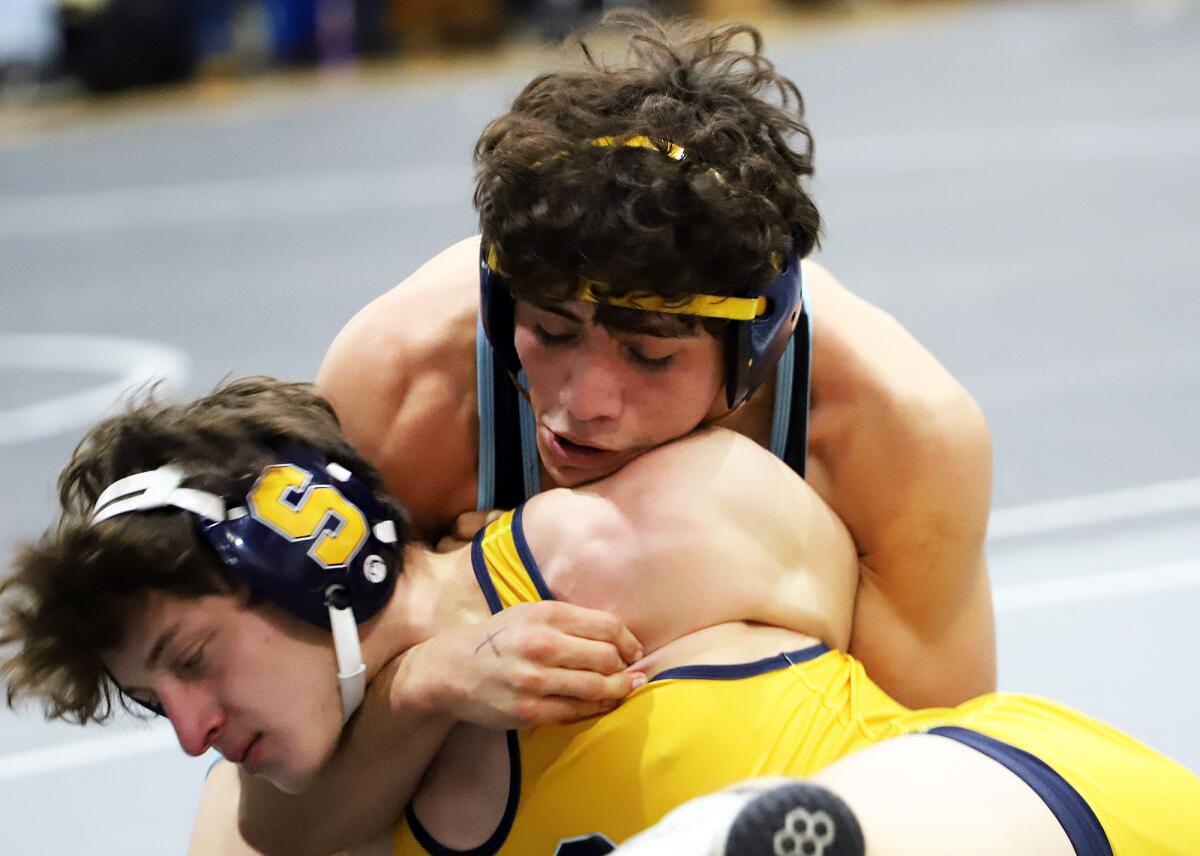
204, 579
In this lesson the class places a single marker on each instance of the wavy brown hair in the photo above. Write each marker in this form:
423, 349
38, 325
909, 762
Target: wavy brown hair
556, 207
70, 595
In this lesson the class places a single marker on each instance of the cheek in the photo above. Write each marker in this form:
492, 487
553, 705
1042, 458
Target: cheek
675, 402
527, 347
532, 355
546, 369
310, 734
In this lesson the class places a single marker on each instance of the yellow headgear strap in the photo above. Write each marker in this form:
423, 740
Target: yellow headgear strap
641, 141
704, 305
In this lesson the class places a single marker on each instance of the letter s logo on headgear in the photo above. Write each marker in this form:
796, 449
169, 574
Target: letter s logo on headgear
285, 499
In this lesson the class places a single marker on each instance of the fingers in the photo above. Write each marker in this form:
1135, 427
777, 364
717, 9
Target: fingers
470, 522
591, 686
573, 652
592, 624
583, 695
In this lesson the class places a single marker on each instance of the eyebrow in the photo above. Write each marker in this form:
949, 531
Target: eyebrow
556, 309
163, 641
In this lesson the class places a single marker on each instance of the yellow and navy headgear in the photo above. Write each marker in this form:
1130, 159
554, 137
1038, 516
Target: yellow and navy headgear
307, 536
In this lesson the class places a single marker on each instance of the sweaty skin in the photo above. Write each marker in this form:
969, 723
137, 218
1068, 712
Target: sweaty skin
896, 447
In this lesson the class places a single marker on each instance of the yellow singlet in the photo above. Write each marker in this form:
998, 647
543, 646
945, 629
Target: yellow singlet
580, 789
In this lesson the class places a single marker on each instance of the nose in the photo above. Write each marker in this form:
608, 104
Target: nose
195, 715
594, 388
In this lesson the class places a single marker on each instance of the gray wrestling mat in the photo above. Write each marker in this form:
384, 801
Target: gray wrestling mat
1018, 183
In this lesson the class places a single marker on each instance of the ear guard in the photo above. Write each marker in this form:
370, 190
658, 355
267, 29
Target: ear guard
764, 321
755, 346
308, 536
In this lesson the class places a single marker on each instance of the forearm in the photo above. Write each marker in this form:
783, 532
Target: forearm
362, 790
553, 662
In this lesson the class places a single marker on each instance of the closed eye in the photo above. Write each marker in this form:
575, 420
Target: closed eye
192, 663
650, 364
553, 340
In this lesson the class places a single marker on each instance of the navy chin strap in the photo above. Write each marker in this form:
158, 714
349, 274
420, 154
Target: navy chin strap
308, 536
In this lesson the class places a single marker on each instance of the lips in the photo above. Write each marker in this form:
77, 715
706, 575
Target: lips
575, 454
243, 756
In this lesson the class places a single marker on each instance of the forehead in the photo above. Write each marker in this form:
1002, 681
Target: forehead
625, 320
159, 621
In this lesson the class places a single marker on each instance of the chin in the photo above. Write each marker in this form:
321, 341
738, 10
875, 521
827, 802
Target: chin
289, 781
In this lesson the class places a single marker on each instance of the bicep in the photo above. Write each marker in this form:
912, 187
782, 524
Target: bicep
923, 664
903, 455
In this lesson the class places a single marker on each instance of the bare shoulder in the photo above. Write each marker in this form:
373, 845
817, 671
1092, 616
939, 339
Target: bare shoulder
705, 529
860, 345
403, 327
401, 376
655, 504
873, 381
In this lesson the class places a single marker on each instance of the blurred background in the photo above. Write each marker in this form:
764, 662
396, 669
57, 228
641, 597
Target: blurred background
193, 190
99, 46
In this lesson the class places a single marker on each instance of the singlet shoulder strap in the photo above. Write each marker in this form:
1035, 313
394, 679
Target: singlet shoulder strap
503, 455
793, 393
504, 566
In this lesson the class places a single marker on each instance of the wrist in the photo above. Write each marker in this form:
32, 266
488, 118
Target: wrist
418, 686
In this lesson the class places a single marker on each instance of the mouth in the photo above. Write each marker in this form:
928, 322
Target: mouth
247, 756
577, 454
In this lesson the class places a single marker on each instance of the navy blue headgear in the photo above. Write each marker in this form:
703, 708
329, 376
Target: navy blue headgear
308, 536
283, 567
752, 347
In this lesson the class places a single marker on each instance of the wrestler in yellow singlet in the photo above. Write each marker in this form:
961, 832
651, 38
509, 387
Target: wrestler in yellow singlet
579, 789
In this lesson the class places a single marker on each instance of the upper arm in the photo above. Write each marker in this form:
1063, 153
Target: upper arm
401, 378
902, 453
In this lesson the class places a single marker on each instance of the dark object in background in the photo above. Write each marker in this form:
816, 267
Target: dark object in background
125, 43
556, 18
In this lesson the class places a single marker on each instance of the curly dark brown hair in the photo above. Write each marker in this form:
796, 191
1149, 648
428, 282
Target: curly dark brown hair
71, 594
556, 206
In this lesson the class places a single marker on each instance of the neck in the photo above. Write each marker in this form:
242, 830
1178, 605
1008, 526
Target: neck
435, 592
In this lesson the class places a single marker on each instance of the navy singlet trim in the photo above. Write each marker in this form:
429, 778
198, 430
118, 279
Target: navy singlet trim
530, 563
1069, 808
736, 671
479, 565
496, 839
484, 577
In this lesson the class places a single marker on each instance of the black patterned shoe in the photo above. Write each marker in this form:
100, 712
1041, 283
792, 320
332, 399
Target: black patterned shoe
793, 818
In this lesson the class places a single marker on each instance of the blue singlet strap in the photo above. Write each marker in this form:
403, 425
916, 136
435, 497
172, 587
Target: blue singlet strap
531, 464
484, 369
786, 380
783, 399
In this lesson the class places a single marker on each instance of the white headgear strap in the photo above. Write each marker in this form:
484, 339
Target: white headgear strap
161, 489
